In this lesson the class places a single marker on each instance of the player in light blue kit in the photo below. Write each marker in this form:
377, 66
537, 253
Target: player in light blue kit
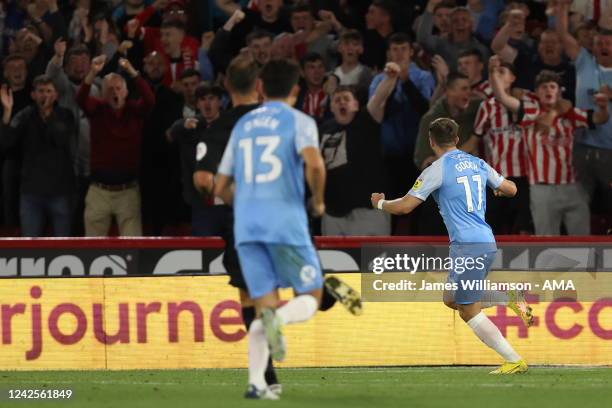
457, 181
267, 155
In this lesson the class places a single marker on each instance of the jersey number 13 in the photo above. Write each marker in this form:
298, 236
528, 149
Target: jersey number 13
270, 143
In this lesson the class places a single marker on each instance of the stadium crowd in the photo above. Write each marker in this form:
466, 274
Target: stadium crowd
105, 104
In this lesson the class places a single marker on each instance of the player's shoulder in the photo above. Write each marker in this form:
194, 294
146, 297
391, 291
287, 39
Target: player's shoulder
436, 167
301, 118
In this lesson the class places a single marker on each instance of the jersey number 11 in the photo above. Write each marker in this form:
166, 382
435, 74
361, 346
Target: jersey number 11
468, 191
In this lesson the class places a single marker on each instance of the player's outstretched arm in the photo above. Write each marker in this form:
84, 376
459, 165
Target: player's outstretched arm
224, 188
315, 177
399, 206
506, 189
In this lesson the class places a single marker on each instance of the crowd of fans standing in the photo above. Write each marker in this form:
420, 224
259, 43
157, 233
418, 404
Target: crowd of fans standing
104, 104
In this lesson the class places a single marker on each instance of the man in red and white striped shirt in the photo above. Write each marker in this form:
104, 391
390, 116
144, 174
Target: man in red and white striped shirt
549, 125
505, 151
313, 100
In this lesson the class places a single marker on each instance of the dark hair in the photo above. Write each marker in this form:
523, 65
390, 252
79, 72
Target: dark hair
399, 38
241, 74
279, 77
454, 77
387, 5
76, 51
548, 76
41, 80
300, 8
310, 57
173, 23
13, 57
509, 66
471, 52
346, 88
206, 88
548, 31
189, 72
443, 131
258, 34
351, 35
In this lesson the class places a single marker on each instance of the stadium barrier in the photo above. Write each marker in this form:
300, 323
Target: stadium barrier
82, 320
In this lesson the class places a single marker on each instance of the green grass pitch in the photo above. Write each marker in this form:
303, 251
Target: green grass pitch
418, 387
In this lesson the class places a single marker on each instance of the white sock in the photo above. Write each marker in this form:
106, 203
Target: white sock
493, 298
299, 309
492, 337
258, 355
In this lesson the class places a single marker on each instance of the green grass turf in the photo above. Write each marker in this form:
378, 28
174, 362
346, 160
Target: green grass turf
418, 387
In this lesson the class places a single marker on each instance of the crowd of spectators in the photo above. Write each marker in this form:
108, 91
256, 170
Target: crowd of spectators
105, 105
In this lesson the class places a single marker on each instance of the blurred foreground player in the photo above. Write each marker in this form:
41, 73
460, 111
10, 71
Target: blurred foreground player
240, 82
269, 152
456, 180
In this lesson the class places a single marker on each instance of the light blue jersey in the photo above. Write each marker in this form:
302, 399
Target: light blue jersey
590, 77
458, 182
263, 157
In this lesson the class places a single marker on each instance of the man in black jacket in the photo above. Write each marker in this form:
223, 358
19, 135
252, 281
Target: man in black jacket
352, 150
207, 219
46, 134
15, 73
159, 174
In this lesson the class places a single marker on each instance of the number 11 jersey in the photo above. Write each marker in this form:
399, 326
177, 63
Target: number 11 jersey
457, 181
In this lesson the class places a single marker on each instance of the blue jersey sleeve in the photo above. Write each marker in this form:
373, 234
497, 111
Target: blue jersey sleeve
428, 182
584, 60
306, 133
227, 162
494, 179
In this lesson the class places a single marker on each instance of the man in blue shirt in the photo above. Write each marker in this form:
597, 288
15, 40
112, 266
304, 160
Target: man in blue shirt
593, 150
404, 109
457, 181
269, 152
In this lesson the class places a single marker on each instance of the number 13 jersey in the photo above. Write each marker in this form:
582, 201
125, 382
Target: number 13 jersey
263, 156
